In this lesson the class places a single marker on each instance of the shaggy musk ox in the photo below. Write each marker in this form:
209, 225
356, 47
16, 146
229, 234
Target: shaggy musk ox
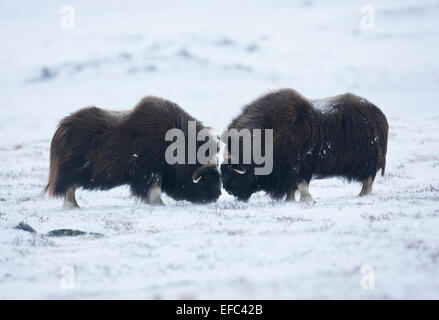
98, 149
343, 136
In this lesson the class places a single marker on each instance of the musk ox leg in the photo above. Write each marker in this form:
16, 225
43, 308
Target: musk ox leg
305, 196
291, 195
367, 187
69, 199
154, 195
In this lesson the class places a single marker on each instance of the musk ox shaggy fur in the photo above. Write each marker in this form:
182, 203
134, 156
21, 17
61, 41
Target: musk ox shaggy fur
344, 136
99, 149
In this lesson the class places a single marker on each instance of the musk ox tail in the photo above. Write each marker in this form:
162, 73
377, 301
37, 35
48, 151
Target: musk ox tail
53, 173
58, 158
55, 145
383, 130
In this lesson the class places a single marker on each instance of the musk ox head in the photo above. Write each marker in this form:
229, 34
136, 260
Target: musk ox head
197, 184
205, 185
239, 180
192, 166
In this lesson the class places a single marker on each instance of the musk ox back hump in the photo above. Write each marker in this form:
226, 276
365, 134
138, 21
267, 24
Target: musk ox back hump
291, 117
152, 114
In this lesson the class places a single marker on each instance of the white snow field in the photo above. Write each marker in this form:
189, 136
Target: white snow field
212, 58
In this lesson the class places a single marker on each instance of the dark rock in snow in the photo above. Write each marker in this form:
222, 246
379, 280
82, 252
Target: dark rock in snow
65, 233
25, 227
59, 232
71, 233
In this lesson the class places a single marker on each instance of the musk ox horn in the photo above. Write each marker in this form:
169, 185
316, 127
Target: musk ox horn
240, 171
196, 176
196, 180
227, 156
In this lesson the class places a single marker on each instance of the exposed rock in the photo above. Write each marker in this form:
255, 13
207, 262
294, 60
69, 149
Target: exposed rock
71, 233
25, 227
59, 232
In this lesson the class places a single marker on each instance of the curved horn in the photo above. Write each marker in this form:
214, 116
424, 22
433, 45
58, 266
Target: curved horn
240, 171
196, 176
196, 180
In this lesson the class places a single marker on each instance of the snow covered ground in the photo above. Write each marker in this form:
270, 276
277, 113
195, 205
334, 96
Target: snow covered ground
212, 58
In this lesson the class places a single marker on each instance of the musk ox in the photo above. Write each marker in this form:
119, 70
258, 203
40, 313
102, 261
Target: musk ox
99, 149
344, 136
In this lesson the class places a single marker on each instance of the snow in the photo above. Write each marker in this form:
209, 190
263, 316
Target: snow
213, 58
324, 104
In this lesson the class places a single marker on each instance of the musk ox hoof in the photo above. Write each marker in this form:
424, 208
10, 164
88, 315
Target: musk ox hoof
69, 199
158, 202
307, 199
70, 205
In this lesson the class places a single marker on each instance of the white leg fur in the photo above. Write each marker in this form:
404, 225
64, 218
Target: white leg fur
291, 196
69, 199
305, 196
367, 187
154, 196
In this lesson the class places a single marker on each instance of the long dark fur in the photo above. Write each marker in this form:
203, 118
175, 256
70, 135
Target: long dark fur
348, 138
98, 149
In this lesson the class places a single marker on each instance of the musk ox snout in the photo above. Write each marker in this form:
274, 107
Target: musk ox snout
99, 149
238, 180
